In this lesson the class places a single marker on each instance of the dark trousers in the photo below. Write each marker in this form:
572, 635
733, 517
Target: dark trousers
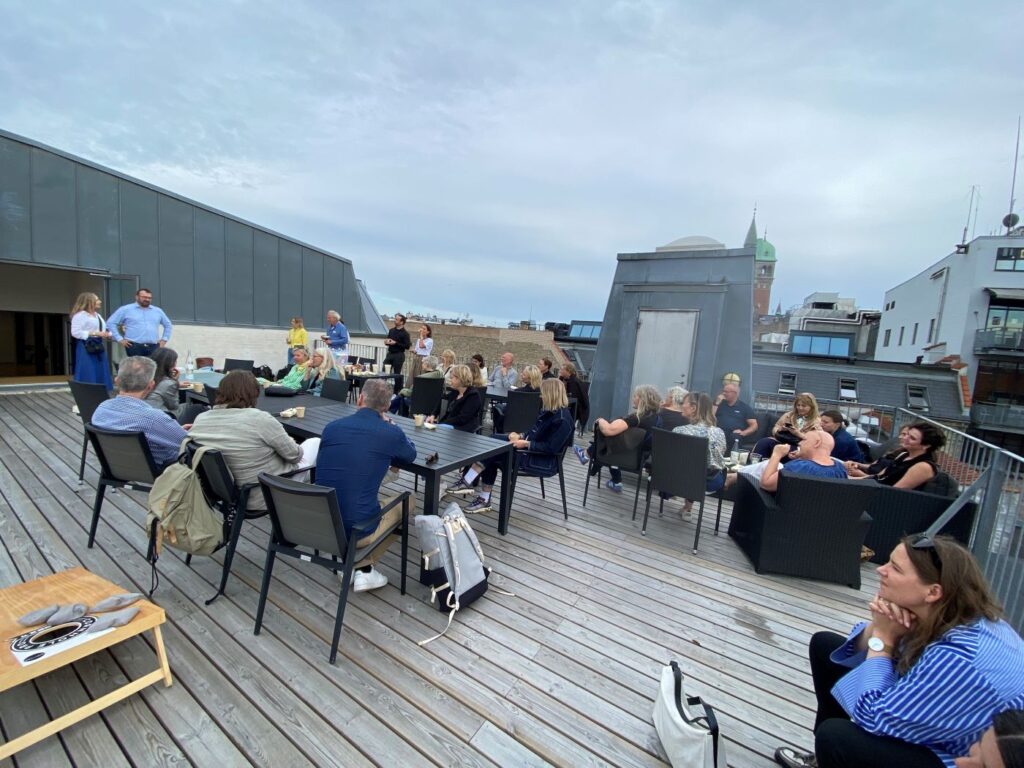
841, 743
396, 360
138, 349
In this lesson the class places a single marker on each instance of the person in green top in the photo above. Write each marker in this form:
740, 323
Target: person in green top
295, 377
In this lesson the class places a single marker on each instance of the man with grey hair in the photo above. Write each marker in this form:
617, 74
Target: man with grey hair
337, 338
129, 411
355, 454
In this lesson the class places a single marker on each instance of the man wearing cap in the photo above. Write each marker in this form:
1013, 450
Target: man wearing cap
735, 417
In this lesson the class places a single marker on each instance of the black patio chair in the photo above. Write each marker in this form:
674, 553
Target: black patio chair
125, 462
518, 472
678, 468
427, 392
335, 389
228, 498
211, 394
88, 398
306, 524
521, 411
231, 364
631, 461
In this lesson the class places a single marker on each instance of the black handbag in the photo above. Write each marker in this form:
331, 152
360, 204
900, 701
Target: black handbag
279, 391
94, 345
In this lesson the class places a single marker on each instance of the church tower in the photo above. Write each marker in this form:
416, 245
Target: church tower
764, 268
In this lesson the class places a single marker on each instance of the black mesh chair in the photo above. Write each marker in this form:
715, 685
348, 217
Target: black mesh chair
231, 364
228, 498
306, 524
335, 389
125, 462
518, 471
627, 461
88, 398
427, 392
521, 411
678, 468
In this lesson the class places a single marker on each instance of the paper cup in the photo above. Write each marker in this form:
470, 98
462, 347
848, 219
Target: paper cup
300, 411
418, 418
373, 367
197, 386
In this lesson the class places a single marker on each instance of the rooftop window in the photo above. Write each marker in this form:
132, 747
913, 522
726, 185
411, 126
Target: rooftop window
787, 383
824, 346
848, 390
917, 397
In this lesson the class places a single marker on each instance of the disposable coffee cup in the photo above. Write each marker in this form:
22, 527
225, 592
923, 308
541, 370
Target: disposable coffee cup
373, 367
300, 411
197, 386
418, 418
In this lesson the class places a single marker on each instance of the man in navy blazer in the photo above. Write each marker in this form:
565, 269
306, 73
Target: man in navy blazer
355, 454
846, 445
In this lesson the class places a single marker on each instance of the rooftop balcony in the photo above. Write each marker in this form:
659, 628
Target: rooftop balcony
999, 341
993, 415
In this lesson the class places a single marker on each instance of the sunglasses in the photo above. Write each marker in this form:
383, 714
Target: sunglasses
923, 541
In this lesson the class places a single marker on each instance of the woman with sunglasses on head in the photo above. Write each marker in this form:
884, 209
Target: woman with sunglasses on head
919, 683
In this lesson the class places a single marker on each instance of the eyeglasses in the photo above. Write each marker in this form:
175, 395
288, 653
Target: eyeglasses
925, 542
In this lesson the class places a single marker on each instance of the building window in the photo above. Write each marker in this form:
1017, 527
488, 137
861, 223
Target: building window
888, 335
913, 336
917, 397
931, 330
787, 383
825, 346
1009, 259
848, 389
900, 343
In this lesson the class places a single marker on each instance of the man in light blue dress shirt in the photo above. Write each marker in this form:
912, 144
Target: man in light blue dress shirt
145, 327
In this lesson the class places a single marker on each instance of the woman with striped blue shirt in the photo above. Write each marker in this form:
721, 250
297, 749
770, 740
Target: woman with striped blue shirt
920, 682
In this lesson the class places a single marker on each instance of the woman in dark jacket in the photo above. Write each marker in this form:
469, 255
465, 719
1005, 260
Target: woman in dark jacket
464, 409
544, 441
574, 388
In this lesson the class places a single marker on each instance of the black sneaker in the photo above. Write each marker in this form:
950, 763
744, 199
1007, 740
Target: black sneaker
790, 758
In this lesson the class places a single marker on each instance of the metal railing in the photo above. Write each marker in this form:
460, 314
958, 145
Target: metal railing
999, 339
997, 415
993, 479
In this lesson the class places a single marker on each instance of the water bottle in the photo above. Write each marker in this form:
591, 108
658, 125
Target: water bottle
735, 456
190, 366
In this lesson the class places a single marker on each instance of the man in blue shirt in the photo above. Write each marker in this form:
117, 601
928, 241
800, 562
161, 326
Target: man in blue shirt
337, 338
733, 416
129, 411
145, 327
355, 454
811, 457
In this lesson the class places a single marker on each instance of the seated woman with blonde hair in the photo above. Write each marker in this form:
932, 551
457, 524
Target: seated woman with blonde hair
791, 426
322, 366
530, 378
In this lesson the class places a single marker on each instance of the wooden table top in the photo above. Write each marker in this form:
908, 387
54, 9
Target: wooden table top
75, 585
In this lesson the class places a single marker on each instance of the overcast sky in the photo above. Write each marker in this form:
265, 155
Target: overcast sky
486, 157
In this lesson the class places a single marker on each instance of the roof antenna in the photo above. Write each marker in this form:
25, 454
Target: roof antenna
970, 206
1011, 219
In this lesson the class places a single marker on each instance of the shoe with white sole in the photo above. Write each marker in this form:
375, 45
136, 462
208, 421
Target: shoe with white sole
480, 504
790, 758
365, 581
459, 488
613, 486
581, 455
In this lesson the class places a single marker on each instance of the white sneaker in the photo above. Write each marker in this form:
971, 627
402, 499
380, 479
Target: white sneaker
74, 409
363, 582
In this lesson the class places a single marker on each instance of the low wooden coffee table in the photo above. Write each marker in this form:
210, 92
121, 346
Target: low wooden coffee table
76, 585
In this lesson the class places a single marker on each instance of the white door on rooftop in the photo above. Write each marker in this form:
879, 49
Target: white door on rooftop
664, 348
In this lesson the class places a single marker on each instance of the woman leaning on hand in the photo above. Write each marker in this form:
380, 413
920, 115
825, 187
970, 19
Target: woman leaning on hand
91, 364
919, 683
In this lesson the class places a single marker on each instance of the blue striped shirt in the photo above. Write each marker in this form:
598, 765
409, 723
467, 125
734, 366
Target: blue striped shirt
141, 324
947, 699
129, 414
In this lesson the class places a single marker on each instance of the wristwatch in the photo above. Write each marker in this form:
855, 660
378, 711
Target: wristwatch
877, 644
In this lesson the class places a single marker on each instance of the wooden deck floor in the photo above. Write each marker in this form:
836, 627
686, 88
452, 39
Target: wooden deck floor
563, 673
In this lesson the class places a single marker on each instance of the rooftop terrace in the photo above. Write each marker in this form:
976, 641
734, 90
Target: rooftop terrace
563, 673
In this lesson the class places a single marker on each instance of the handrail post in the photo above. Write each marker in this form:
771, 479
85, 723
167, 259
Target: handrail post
988, 515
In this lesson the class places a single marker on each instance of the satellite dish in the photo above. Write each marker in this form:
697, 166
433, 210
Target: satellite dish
1011, 220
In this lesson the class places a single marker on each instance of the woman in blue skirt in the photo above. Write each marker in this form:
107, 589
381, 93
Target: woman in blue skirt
89, 331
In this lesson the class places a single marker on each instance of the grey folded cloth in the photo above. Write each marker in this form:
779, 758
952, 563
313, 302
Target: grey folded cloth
67, 613
38, 616
115, 619
115, 602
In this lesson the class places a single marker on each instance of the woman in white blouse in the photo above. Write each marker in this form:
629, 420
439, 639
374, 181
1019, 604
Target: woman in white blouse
91, 363
424, 347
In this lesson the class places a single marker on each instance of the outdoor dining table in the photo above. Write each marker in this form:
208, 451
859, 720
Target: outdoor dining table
454, 450
357, 380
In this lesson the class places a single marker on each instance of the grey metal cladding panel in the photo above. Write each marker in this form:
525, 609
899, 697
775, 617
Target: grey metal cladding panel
177, 259
54, 237
15, 201
334, 294
239, 269
313, 287
289, 281
209, 263
350, 297
139, 236
99, 220
264, 278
